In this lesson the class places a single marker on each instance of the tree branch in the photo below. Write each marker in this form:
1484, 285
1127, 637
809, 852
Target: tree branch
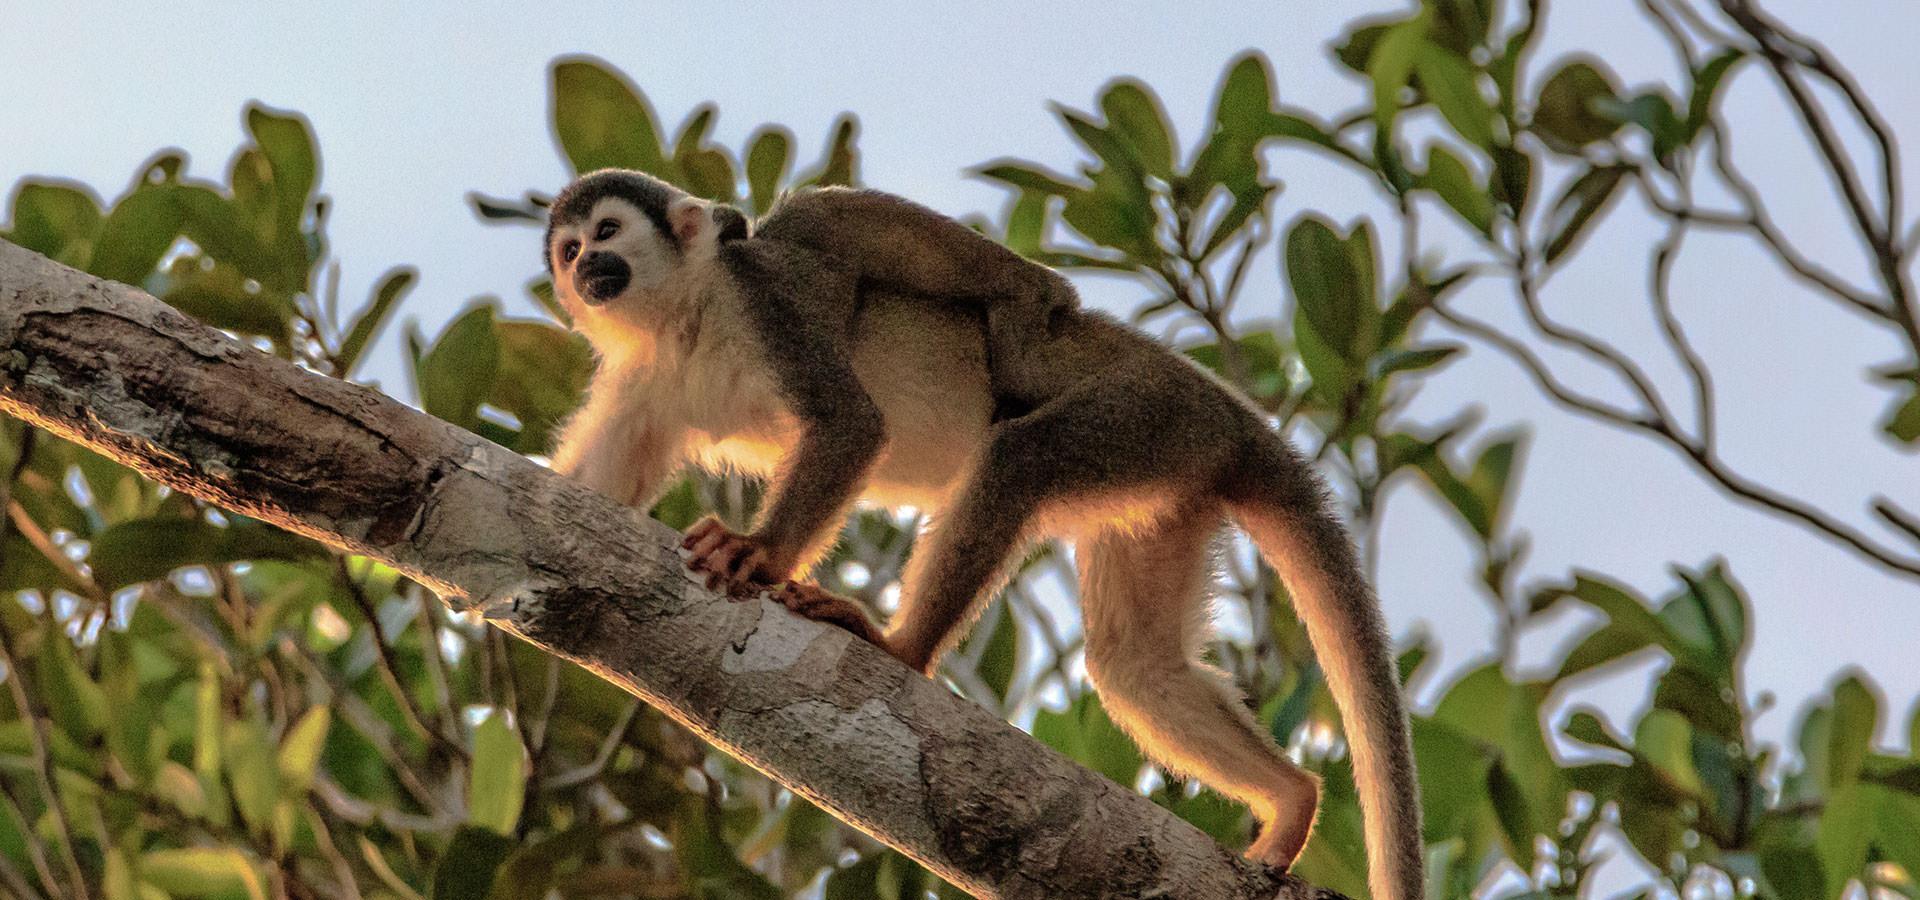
832, 718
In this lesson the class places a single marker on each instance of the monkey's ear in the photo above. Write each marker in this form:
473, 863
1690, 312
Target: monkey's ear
689, 218
732, 222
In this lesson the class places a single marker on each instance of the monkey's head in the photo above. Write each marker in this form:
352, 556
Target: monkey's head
621, 244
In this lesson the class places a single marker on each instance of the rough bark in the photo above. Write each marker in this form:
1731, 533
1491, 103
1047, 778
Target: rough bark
834, 719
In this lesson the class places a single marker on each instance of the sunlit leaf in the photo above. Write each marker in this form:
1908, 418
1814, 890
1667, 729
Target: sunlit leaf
203, 872
603, 121
769, 155
497, 784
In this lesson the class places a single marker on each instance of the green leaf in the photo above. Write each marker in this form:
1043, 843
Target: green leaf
252, 772
203, 872
841, 163
142, 550
1792, 870
1567, 114
705, 171
300, 750
219, 294
1587, 727
1134, 116
1246, 94
542, 374
769, 155
1903, 424
603, 121
75, 702
1028, 177
1710, 615
1665, 741
1845, 835
1085, 734
1577, 206
1390, 66
287, 143
1453, 770
458, 373
497, 785
367, 324
57, 220
1332, 278
1449, 178
1461, 25
1452, 84
142, 226
1413, 359
1027, 223
1706, 86
468, 867
1856, 717
1626, 612
1357, 48
998, 659
1116, 212
1653, 112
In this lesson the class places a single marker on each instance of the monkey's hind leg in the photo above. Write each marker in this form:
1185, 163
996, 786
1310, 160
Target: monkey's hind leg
1146, 603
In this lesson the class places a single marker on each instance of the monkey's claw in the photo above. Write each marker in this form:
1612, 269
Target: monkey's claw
733, 563
816, 603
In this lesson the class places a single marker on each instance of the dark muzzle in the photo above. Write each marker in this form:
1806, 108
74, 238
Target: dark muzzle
601, 277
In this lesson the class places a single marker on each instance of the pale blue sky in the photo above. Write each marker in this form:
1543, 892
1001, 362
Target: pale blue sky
415, 105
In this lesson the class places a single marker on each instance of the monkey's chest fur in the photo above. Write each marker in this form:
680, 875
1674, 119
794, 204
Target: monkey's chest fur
923, 366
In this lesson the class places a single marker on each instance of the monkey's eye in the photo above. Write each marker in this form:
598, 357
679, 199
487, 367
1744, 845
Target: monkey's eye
569, 250
606, 229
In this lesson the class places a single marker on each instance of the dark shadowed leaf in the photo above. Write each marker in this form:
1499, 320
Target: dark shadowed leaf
136, 234
1577, 206
458, 373
144, 550
366, 325
1566, 116
469, 864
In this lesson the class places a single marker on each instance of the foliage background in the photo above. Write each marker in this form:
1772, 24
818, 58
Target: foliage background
223, 718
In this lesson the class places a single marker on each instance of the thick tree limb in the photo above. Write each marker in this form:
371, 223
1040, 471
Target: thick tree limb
839, 722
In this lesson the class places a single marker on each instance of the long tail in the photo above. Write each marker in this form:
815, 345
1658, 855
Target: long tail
1282, 505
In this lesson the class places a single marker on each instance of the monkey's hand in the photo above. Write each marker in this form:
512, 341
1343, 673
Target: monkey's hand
735, 563
818, 604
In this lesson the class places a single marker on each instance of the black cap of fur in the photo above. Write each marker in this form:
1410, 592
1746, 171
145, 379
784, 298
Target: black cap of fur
648, 194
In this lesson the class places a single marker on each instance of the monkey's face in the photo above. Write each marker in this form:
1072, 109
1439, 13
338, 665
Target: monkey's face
628, 251
609, 257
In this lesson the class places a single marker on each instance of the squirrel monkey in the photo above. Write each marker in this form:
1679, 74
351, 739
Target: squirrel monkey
836, 349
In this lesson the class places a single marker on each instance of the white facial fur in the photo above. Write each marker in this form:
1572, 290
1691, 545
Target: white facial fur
663, 283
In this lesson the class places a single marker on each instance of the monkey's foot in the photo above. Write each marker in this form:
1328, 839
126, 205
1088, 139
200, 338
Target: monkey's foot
1279, 843
733, 563
820, 605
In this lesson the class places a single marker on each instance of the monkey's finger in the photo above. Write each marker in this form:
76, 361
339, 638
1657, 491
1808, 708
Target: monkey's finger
745, 566
705, 548
700, 531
